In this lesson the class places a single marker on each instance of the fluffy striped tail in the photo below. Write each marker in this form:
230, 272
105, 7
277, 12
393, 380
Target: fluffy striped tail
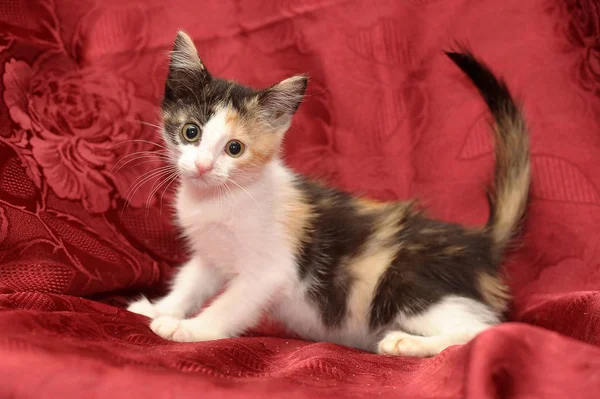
512, 174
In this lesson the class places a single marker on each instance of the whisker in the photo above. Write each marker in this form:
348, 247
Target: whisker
220, 197
230, 193
139, 183
143, 141
132, 192
152, 151
158, 154
247, 192
251, 178
153, 190
143, 179
165, 190
140, 163
137, 158
224, 197
162, 168
145, 123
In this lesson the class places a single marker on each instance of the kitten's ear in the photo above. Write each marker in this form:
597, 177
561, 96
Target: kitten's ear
186, 70
279, 102
185, 56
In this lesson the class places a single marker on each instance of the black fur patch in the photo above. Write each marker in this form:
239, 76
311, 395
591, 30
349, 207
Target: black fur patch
338, 232
435, 259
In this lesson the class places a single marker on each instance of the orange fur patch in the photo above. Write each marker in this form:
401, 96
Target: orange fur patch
494, 291
262, 144
296, 217
370, 204
380, 250
231, 116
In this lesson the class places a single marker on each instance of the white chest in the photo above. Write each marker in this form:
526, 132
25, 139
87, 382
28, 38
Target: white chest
227, 228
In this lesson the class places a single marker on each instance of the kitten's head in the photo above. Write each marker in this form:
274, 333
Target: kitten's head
220, 130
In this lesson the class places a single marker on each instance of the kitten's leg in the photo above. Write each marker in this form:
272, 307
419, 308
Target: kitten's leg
452, 321
237, 309
194, 283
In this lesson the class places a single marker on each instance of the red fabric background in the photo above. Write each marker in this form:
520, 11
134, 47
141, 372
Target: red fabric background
386, 114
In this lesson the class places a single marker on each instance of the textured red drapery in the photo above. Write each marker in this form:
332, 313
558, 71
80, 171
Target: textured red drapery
386, 115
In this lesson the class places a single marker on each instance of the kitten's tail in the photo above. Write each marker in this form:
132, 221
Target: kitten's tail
512, 174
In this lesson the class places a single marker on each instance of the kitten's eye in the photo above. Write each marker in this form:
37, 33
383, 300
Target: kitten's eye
190, 132
234, 148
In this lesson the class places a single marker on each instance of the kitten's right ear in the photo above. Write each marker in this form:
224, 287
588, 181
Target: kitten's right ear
184, 56
186, 70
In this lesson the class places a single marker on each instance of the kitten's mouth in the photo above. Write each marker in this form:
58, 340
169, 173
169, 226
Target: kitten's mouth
203, 180
198, 180
206, 180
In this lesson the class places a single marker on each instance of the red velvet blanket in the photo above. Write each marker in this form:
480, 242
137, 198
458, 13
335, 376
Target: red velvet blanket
386, 115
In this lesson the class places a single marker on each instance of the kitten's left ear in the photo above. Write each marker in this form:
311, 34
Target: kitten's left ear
279, 102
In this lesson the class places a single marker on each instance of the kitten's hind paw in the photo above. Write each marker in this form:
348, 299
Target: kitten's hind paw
398, 343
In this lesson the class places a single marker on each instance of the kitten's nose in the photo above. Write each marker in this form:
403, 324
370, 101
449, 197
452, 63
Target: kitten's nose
204, 165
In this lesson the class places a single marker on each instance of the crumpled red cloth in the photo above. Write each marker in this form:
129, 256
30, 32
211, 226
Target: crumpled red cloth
386, 115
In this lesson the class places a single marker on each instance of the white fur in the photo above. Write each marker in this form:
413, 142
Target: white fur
453, 321
237, 239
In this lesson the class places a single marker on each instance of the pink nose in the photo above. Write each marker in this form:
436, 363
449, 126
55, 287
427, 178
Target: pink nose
203, 166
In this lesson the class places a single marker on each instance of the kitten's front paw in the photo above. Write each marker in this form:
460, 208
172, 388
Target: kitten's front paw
144, 307
182, 330
153, 310
165, 326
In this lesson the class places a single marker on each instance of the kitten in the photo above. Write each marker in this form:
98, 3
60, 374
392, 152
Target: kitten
377, 276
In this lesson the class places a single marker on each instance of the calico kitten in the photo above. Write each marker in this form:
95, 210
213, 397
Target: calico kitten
332, 267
